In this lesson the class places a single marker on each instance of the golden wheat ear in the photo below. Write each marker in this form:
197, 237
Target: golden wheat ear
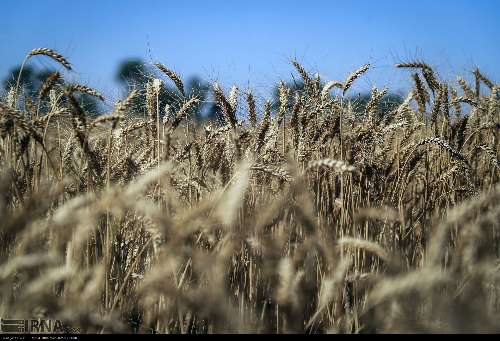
184, 111
39, 51
252, 112
48, 84
52, 54
173, 76
225, 105
84, 89
355, 75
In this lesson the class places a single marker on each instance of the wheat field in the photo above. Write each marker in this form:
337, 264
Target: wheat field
308, 214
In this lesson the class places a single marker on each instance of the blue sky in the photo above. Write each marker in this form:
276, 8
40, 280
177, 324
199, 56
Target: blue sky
251, 42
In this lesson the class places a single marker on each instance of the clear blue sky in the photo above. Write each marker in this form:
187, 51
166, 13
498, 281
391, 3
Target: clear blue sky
251, 42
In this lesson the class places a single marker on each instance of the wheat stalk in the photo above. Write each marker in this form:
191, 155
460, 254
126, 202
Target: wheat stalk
173, 76
353, 76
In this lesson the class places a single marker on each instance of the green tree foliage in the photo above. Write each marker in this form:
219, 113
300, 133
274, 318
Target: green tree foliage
388, 102
134, 73
32, 80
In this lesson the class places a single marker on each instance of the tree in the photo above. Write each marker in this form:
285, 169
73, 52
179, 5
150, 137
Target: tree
32, 80
29, 80
199, 88
135, 73
387, 103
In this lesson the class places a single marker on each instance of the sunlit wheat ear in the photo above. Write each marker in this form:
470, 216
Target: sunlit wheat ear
427, 72
431, 79
480, 77
294, 120
336, 165
122, 106
20, 263
42, 284
443, 144
492, 156
114, 119
461, 214
225, 105
444, 92
415, 64
72, 88
366, 245
279, 172
11, 96
145, 180
157, 84
232, 199
92, 290
464, 99
173, 76
330, 289
455, 102
375, 99
330, 85
252, 112
468, 92
420, 281
303, 73
263, 127
421, 94
21, 121
283, 93
64, 215
436, 109
151, 108
465, 166
52, 54
39, 51
288, 290
493, 103
383, 213
48, 84
353, 76
184, 111
233, 97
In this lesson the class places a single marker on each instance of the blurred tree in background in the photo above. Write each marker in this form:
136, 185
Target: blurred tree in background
388, 102
32, 79
134, 73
